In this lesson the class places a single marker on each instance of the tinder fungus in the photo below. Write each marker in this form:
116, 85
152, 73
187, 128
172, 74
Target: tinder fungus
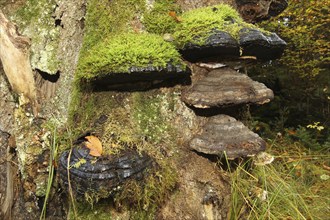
134, 75
224, 134
223, 87
98, 177
217, 44
264, 46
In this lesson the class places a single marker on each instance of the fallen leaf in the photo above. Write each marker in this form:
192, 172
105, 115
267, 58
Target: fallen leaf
95, 146
291, 132
173, 15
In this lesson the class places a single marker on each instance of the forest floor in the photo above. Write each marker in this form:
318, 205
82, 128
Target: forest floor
294, 186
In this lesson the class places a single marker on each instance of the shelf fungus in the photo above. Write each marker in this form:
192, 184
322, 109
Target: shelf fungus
218, 44
128, 59
224, 134
140, 77
218, 32
223, 87
98, 177
265, 46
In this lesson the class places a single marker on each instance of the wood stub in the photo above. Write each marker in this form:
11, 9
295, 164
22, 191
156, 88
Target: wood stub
15, 58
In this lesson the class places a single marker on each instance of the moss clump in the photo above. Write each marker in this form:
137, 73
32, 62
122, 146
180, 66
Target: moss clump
158, 20
104, 18
118, 53
198, 24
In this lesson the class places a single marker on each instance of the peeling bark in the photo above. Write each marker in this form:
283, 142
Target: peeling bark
15, 58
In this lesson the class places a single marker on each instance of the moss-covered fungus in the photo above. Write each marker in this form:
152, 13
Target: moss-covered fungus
158, 19
198, 24
118, 53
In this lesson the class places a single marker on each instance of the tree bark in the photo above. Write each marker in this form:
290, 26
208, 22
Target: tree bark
15, 58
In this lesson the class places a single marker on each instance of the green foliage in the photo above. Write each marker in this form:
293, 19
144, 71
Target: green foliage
305, 25
198, 24
157, 20
299, 101
118, 53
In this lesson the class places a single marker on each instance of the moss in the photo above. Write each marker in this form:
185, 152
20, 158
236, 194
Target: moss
135, 120
150, 114
139, 120
118, 53
35, 20
157, 20
199, 23
145, 196
104, 18
84, 211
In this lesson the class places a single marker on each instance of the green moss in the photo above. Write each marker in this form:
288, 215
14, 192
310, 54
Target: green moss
199, 23
35, 21
85, 211
144, 197
157, 20
118, 53
135, 120
104, 18
150, 114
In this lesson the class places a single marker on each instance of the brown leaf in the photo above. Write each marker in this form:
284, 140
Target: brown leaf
173, 15
95, 146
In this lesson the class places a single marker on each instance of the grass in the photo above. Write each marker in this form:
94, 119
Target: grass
51, 168
294, 186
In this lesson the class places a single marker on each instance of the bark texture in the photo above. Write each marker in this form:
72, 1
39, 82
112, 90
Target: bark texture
15, 58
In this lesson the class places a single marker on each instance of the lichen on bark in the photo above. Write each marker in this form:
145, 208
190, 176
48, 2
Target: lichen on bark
36, 20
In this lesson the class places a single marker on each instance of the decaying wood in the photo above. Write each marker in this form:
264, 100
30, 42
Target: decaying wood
15, 58
6, 206
258, 10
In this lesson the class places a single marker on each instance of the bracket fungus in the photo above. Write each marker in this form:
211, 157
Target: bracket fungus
100, 177
219, 31
223, 87
264, 46
224, 134
129, 58
219, 43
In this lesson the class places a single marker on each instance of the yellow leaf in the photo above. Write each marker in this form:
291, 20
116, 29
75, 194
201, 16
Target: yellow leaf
95, 146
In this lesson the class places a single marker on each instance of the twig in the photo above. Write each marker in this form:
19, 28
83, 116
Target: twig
69, 182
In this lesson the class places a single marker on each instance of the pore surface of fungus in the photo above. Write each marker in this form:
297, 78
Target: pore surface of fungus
223, 133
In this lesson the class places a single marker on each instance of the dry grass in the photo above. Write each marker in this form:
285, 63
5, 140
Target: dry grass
294, 186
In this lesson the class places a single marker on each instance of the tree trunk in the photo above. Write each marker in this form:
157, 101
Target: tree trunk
56, 29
